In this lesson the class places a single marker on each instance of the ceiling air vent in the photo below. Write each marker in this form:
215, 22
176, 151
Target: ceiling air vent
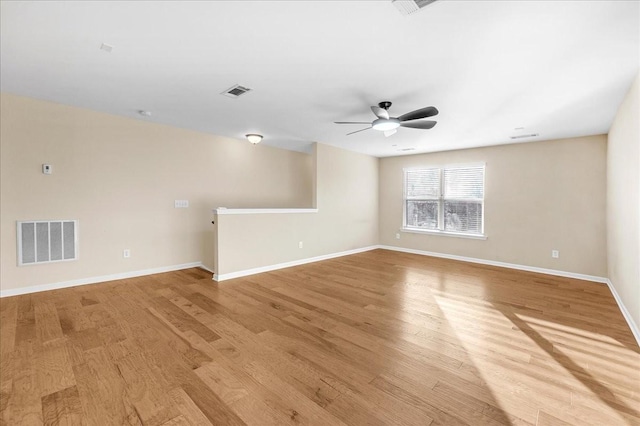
532, 135
235, 91
407, 7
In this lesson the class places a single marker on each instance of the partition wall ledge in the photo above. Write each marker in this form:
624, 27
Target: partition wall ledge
222, 211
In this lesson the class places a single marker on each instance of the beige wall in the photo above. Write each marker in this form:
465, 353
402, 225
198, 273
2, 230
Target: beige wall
623, 202
347, 218
538, 197
120, 178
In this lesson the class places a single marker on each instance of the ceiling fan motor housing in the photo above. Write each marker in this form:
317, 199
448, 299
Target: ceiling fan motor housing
384, 104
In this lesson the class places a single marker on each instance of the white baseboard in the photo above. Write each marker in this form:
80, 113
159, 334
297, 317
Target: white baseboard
98, 279
625, 313
555, 272
268, 268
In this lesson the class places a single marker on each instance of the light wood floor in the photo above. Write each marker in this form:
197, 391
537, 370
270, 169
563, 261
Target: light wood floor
374, 338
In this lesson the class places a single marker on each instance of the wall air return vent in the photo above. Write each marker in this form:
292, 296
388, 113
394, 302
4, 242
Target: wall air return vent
47, 241
407, 7
235, 91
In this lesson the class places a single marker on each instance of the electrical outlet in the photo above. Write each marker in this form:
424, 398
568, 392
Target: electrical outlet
126, 253
397, 235
47, 169
181, 204
555, 254
300, 244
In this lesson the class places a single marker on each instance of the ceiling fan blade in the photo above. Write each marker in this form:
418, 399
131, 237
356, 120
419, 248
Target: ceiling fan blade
352, 122
380, 112
419, 113
420, 125
388, 133
361, 130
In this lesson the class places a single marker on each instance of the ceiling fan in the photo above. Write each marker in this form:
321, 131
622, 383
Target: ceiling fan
389, 125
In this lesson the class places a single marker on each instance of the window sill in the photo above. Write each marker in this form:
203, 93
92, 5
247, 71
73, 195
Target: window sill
443, 233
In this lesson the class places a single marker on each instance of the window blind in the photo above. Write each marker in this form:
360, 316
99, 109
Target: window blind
423, 184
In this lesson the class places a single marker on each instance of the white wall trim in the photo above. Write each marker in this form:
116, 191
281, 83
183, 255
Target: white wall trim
602, 280
625, 313
222, 210
98, 279
268, 268
443, 233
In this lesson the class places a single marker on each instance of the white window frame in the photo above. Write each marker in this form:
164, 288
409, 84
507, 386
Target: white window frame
441, 199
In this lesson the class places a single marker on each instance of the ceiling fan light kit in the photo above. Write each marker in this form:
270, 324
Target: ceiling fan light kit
389, 125
384, 124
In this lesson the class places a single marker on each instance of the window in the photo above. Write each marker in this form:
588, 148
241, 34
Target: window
446, 199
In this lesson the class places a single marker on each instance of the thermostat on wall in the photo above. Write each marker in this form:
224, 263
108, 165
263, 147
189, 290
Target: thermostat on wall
47, 169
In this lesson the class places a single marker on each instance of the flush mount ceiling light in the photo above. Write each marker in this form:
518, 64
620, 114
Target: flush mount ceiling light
144, 113
254, 138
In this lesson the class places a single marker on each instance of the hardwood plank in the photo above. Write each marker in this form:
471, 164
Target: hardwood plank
146, 389
26, 321
185, 405
47, 322
53, 367
102, 391
23, 405
62, 408
8, 323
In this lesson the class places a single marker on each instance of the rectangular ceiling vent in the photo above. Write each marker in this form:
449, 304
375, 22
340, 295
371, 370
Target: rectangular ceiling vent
407, 7
532, 135
46, 241
235, 91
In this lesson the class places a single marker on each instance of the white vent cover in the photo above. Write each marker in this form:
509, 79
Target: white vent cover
235, 91
407, 7
47, 241
532, 135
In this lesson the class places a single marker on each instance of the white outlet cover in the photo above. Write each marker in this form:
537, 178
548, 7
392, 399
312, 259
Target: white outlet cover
47, 169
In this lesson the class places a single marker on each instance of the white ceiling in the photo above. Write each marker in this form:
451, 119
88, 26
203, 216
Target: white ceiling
557, 68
